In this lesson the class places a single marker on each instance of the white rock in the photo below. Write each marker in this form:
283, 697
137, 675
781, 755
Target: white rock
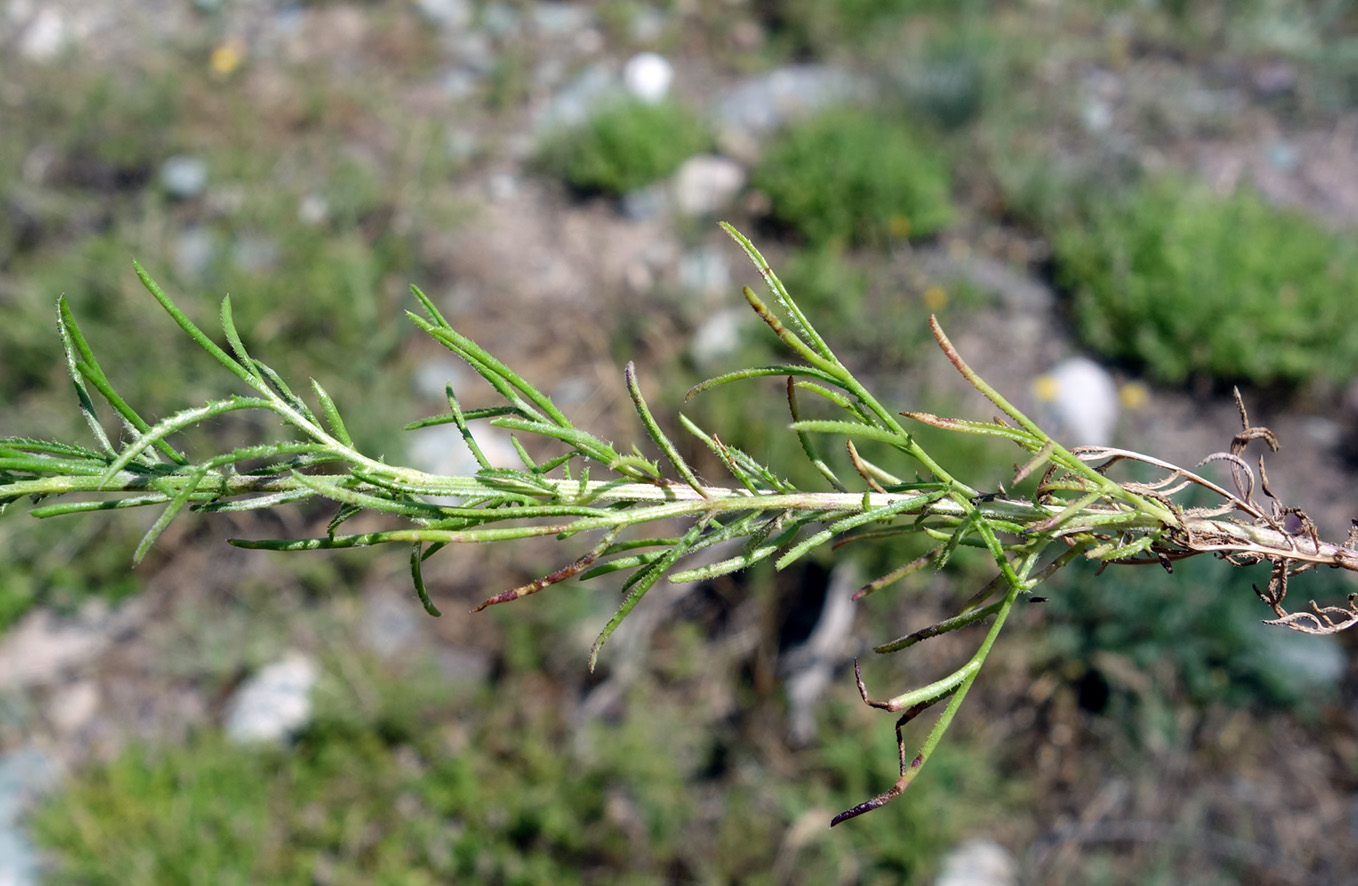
441, 450
646, 203
648, 75
313, 209
706, 184
1308, 663
45, 37
1080, 401
25, 774
184, 177
446, 13
573, 104
706, 271
560, 19
811, 667
718, 337
194, 248
751, 110
73, 706
275, 703
978, 863
390, 625
41, 647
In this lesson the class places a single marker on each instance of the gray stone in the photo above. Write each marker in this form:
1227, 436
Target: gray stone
706, 271
460, 84
978, 862
758, 106
1306, 662
809, 668
42, 647
184, 177
441, 450
561, 19
646, 203
46, 36
432, 377
25, 773
313, 209
451, 14
577, 100
706, 184
502, 186
72, 707
390, 625
18, 859
275, 703
255, 254
499, 19
194, 248
718, 337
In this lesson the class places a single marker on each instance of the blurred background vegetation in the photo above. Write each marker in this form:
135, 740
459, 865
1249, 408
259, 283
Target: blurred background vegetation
1172, 171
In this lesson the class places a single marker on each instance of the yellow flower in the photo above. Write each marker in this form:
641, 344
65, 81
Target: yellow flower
226, 58
1134, 395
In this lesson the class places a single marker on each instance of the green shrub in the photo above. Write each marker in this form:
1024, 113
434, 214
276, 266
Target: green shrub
855, 176
1195, 636
625, 146
1189, 284
822, 26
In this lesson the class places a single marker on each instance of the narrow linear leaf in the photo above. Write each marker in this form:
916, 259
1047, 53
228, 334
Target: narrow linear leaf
853, 429
167, 516
460, 420
804, 326
776, 371
71, 340
182, 419
805, 439
233, 338
560, 575
639, 589
332, 415
655, 432
198, 336
417, 577
489, 367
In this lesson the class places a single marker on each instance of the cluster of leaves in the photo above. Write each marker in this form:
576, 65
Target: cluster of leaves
855, 176
1189, 284
624, 146
1075, 508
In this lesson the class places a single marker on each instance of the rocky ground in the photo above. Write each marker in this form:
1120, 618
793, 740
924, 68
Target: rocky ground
80, 686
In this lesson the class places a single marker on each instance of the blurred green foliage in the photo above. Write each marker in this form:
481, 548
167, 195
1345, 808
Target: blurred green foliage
1189, 284
624, 146
825, 27
1196, 636
406, 779
856, 176
882, 315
